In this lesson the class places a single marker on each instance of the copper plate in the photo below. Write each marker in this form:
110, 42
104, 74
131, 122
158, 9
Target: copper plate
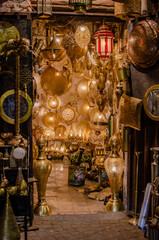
143, 43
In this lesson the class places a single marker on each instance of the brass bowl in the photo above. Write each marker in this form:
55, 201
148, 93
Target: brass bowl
2, 191
12, 190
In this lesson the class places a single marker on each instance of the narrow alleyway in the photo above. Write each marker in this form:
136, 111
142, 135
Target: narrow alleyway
76, 217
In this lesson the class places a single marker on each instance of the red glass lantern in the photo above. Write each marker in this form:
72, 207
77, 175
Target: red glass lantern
104, 42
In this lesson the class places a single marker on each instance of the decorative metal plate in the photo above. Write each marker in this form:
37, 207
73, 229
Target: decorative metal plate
7, 106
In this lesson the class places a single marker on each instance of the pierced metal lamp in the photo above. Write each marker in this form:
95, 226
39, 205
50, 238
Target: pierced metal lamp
80, 6
114, 166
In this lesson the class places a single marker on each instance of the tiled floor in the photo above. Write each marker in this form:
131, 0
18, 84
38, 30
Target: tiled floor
75, 216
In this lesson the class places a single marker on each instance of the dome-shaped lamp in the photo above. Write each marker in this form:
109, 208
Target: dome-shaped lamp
114, 166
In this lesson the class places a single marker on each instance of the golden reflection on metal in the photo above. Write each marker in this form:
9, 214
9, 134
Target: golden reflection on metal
82, 88
54, 102
84, 108
114, 166
50, 119
42, 169
55, 82
142, 43
60, 132
54, 52
9, 229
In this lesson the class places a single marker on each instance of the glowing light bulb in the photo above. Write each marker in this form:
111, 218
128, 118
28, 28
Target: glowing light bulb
113, 169
57, 40
82, 29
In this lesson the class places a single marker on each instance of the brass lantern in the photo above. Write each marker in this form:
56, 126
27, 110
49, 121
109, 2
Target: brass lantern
44, 7
80, 6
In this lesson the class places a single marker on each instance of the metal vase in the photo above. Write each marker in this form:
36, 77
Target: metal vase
9, 229
42, 169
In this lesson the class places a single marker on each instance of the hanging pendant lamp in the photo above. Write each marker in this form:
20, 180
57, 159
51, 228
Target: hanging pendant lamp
80, 6
104, 42
54, 52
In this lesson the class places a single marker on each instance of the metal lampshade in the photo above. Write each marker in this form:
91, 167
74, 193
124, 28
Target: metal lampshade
54, 52
44, 7
104, 42
80, 6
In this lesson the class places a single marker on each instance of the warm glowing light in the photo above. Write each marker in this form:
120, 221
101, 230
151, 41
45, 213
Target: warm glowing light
82, 28
113, 169
57, 40
51, 118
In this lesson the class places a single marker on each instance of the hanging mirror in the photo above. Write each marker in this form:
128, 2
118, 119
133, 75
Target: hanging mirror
151, 102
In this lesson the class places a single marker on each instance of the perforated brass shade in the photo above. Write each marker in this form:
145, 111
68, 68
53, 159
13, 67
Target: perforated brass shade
55, 82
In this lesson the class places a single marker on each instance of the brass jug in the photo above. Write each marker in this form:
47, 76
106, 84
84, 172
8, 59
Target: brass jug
42, 169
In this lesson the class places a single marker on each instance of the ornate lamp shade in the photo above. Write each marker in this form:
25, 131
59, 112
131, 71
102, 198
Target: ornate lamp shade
60, 132
48, 134
80, 6
85, 126
44, 7
82, 88
50, 120
53, 102
84, 108
104, 42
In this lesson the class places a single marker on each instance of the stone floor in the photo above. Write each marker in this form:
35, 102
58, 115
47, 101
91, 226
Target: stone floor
75, 216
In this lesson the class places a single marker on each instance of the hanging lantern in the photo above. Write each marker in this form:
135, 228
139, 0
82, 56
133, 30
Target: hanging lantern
53, 102
104, 42
44, 7
54, 52
80, 6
